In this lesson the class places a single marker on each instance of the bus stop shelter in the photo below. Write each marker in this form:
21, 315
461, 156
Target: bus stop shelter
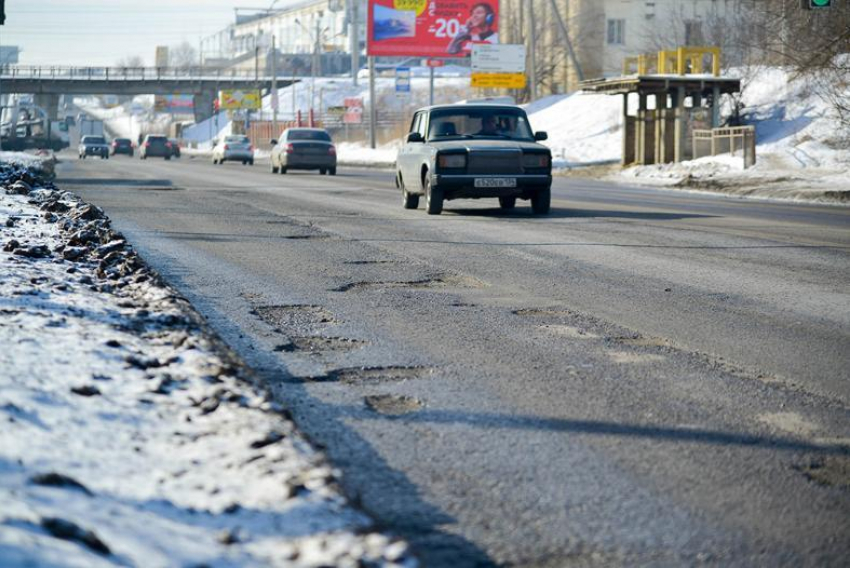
669, 107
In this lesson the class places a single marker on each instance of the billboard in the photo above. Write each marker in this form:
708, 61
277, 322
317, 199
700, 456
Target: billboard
238, 100
430, 28
175, 104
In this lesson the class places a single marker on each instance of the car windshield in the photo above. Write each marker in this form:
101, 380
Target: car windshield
157, 139
122, 141
308, 135
93, 140
479, 123
237, 140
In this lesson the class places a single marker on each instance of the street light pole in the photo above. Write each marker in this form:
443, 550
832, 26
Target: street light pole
354, 40
274, 101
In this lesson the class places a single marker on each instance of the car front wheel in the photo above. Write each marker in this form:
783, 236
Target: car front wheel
541, 201
332, 171
433, 197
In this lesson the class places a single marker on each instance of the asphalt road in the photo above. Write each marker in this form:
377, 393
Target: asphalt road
641, 378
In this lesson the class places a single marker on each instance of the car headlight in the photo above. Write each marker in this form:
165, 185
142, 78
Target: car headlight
535, 160
452, 161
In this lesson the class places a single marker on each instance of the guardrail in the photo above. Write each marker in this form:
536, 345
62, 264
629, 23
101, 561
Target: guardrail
125, 73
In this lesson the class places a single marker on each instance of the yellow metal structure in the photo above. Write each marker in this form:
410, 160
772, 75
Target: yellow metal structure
239, 100
688, 61
641, 64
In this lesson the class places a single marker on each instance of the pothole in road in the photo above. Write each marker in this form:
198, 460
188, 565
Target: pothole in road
830, 471
641, 341
448, 281
294, 315
362, 375
315, 345
312, 237
392, 405
369, 262
543, 312
629, 358
569, 331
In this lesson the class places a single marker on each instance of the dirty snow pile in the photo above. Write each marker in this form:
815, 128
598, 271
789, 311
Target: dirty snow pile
131, 436
799, 150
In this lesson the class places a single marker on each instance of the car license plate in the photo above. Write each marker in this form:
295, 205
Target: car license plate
495, 182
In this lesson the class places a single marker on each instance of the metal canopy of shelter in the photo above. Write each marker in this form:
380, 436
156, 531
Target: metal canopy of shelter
669, 108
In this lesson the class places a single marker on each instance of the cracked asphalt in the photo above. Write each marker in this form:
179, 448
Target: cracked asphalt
641, 378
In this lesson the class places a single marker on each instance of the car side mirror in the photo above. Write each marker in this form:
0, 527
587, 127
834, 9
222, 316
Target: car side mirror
415, 137
273, 142
540, 136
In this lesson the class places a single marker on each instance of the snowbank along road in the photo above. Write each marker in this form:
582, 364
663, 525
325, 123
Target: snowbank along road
640, 378
131, 436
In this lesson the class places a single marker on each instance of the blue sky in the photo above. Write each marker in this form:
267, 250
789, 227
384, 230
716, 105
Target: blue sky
100, 32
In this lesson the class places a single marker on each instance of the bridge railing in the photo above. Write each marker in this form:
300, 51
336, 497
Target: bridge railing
125, 73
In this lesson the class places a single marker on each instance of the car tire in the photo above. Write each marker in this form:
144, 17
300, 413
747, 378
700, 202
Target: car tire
167, 158
282, 170
332, 171
144, 157
250, 162
507, 203
541, 201
323, 171
274, 168
408, 200
433, 197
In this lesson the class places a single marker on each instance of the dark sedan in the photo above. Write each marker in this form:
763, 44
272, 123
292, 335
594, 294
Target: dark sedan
304, 149
122, 146
93, 146
155, 146
474, 151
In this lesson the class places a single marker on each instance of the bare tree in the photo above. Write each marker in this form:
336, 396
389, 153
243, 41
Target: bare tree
130, 62
183, 56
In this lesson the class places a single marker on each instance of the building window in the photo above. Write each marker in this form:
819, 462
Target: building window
693, 33
616, 32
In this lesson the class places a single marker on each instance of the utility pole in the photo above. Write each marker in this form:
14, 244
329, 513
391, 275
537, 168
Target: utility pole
566, 35
532, 44
373, 111
354, 40
274, 101
431, 85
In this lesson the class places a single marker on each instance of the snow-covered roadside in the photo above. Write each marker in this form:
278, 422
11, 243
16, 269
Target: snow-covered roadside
131, 435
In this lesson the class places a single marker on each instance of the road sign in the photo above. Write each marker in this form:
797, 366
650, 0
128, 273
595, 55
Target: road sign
488, 58
498, 80
434, 62
402, 79
820, 4
353, 110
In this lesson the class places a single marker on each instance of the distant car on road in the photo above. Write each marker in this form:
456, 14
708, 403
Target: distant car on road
93, 146
155, 146
175, 147
304, 149
233, 148
122, 146
474, 151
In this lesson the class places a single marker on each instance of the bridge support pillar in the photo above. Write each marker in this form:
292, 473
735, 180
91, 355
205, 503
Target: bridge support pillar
204, 104
50, 104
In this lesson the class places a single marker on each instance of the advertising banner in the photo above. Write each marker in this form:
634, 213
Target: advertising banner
430, 28
175, 104
353, 110
239, 100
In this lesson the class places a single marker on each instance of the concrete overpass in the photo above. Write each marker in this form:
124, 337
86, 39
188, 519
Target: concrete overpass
48, 82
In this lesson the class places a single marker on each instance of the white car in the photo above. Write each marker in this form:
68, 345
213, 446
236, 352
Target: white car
235, 148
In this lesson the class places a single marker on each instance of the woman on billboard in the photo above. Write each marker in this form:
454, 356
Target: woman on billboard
479, 28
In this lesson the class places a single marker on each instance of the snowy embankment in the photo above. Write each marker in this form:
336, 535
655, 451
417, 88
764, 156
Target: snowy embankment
131, 436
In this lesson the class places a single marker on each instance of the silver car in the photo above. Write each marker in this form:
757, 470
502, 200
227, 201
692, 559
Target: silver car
304, 149
93, 146
234, 148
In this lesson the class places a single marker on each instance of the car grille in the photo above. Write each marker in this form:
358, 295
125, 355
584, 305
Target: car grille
501, 162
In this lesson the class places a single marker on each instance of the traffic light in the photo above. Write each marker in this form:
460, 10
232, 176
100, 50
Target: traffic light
817, 4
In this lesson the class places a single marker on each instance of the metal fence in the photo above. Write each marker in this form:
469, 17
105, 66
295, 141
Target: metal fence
727, 140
